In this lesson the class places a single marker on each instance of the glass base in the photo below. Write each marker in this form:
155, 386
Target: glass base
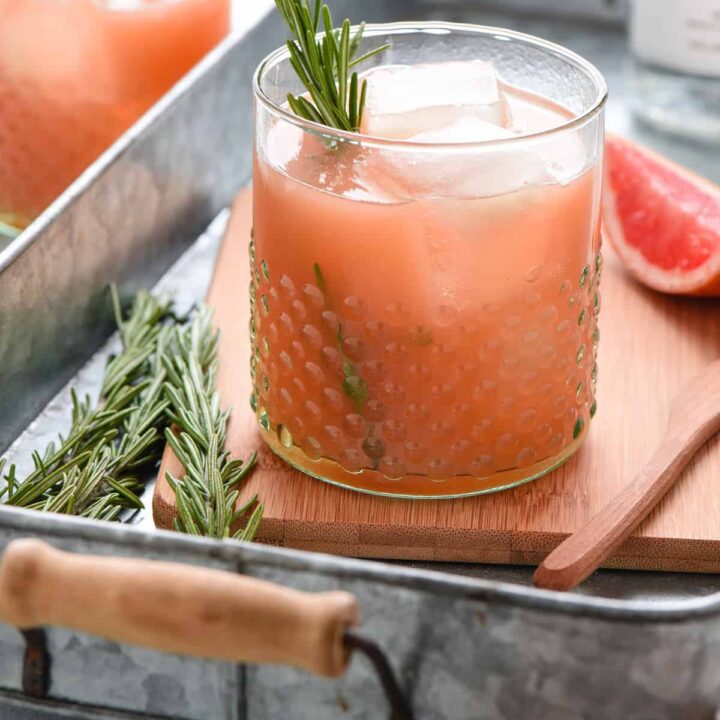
415, 487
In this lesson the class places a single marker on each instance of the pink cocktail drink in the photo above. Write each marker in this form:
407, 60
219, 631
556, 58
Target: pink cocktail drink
75, 74
424, 307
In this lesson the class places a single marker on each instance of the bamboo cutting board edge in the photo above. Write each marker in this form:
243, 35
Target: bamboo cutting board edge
518, 526
478, 546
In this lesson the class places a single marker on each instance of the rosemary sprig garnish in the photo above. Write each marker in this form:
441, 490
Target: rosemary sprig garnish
323, 65
208, 492
92, 472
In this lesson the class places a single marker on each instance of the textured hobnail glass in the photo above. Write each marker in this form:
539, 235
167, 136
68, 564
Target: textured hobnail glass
441, 344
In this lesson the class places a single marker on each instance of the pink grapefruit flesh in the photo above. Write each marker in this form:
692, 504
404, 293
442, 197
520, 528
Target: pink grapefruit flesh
663, 220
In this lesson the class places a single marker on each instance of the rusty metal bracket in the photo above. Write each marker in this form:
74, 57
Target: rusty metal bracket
399, 703
36, 663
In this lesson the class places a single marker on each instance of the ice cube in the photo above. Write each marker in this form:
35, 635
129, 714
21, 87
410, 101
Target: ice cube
452, 171
456, 173
564, 154
480, 173
463, 129
406, 100
283, 143
411, 173
528, 113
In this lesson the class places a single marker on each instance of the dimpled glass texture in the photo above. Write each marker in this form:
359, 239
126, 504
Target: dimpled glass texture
424, 318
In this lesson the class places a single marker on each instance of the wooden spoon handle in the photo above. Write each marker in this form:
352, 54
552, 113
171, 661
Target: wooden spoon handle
584, 551
175, 608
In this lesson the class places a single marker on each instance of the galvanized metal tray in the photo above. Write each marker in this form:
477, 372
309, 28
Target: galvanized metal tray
467, 641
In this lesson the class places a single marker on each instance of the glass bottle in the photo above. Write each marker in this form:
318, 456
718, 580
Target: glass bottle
676, 65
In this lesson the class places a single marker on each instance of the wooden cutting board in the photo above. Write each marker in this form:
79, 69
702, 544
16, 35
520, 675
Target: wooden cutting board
650, 344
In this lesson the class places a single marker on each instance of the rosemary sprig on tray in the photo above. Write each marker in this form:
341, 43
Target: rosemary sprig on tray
337, 99
165, 374
93, 470
208, 492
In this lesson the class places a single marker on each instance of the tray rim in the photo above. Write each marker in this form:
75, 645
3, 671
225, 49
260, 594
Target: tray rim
245, 554
119, 147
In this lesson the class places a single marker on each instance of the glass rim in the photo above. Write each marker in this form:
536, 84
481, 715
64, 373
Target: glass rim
374, 29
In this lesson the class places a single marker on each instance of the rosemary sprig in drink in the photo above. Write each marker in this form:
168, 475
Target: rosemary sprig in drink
337, 99
207, 494
353, 384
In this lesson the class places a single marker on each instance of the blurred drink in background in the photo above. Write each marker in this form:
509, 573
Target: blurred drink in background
75, 74
676, 69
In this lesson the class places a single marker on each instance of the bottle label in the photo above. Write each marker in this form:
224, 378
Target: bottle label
681, 35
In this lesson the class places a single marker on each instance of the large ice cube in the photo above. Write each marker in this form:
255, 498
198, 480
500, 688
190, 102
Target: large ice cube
485, 170
564, 154
476, 172
400, 178
405, 100
463, 129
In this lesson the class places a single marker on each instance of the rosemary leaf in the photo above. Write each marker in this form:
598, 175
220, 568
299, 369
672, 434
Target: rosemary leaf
237, 474
323, 62
343, 62
363, 98
125, 492
245, 508
320, 279
366, 56
354, 121
253, 523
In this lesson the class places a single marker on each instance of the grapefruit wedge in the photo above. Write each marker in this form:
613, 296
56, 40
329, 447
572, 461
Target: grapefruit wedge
663, 220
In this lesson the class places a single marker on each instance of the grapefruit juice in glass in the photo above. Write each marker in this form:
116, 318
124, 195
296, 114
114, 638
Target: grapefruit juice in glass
425, 293
75, 74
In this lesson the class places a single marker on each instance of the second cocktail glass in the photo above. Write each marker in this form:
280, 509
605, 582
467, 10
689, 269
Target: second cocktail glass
75, 74
424, 307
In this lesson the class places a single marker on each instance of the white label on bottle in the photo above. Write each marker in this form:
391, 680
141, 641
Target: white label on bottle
680, 35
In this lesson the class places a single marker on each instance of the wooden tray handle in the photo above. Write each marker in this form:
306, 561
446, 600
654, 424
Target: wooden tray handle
175, 608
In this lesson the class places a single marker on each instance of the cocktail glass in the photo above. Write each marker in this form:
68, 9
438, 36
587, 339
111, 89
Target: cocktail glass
424, 313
